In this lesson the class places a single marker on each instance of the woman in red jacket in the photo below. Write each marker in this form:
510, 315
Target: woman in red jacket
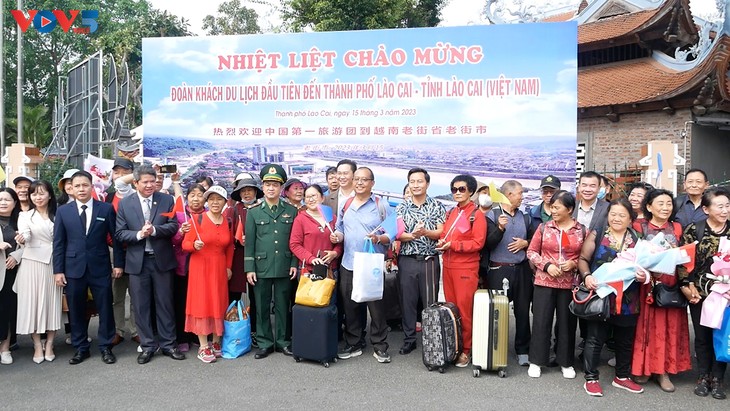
310, 233
554, 251
461, 242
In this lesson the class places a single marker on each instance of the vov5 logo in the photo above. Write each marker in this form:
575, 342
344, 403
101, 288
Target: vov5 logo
46, 20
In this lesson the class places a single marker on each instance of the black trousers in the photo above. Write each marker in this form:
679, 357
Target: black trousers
597, 333
704, 347
520, 293
353, 320
419, 279
76, 296
546, 303
180, 294
149, 288
8, 305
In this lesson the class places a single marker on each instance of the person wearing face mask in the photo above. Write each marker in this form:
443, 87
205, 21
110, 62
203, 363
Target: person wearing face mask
247, 194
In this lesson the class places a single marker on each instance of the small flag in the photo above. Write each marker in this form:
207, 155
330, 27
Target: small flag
327, 213
239, 231
564, 244
659, 164
393, 226
453, 225
497, 197
178, 207
619, 287
690, 250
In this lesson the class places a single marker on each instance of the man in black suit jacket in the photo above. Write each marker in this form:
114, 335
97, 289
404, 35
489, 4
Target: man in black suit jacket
590, 211
146, 226
81, 261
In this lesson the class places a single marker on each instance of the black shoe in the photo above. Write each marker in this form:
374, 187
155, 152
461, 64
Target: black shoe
286, 350
263, 353
174, 353
79, 357
254, 341
407, 348
145, 356
108, 356
717, 390
703, 386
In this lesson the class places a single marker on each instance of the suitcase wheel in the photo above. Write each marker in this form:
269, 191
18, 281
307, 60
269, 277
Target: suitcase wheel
334, 359
476, 371
326, 364
430, 368
441, 370
297, 359
502, 373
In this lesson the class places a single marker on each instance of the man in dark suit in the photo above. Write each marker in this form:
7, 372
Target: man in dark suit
146, 226
81, 261
590, 211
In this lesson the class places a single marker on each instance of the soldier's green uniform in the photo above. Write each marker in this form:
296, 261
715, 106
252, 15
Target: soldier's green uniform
267, 254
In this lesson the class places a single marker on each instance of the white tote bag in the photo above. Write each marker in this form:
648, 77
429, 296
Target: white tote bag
367, 274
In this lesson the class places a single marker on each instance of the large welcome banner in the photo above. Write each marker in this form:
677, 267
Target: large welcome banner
498, 102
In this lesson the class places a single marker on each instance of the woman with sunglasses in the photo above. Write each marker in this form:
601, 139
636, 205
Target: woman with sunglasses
465, 231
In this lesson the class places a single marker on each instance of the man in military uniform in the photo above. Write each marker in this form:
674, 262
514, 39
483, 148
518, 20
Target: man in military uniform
269, 263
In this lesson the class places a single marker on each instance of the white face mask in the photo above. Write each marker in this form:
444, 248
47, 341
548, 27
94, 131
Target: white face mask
485, 200
248, 202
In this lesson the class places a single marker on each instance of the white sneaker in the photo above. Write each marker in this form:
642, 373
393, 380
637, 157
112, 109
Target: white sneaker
568, 372
534, 371
6, 357
612, 362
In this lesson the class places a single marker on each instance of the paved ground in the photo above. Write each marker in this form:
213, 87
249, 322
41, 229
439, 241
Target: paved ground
279, 383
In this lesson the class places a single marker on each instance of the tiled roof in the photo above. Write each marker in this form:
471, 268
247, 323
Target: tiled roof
560, 17
612, 27
629, 82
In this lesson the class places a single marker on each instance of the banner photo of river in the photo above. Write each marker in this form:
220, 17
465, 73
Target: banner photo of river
498, 102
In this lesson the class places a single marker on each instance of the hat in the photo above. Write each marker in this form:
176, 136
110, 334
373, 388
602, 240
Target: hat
123, 163
273, 172
66, 175
18, 179
290, 182
550, 181
246, 175
246, 182
215, 190
480, 186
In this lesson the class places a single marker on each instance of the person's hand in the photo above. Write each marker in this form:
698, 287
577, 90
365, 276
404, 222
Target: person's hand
292, 273
243, 240
419, 231
175, 176
198, 245
568, 266
590, 282
329, 256
251, 277
185, 227
640, 276
59, 279
554, 271
317, 261
10, 262
229, 273
157, 168
334, 238
407, 237
373, 237
117, 272
502, 221
4, 245
19, 238
443, 246
517, 244
691, 293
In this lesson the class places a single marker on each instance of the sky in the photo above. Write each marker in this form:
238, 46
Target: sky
456, 13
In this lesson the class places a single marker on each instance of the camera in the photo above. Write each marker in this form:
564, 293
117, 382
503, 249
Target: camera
168, 169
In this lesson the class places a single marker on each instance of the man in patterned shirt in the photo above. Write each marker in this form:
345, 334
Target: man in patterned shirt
418, 261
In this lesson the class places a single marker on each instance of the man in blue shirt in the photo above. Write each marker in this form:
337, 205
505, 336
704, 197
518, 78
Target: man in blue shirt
359, 218
688, 207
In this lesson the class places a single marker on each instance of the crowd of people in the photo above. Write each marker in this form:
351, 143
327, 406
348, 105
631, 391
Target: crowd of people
181, 268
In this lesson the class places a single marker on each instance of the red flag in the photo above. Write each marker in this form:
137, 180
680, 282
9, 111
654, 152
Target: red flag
564, 243
239, 231
619, 287
462, 224
178, 207
691, 250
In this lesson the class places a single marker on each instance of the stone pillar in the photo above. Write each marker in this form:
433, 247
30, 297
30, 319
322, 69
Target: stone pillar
661, 164
21, 160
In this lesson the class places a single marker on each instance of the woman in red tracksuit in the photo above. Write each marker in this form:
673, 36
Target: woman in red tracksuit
465, 231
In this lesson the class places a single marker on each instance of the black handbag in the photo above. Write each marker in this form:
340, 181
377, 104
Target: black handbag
588, 305
668, 297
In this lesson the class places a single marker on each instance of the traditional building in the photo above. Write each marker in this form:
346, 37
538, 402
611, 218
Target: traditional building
648, 70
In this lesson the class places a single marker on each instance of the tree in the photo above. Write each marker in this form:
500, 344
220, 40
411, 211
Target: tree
233, 18
335, 15
36, 126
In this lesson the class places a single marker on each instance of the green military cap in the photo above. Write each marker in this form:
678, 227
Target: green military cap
273, 172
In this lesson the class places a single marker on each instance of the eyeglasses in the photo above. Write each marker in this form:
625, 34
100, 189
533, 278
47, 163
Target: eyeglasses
461, 189
361, 180
311, 197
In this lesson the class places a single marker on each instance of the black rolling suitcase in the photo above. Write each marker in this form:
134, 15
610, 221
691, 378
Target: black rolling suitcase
441, 332
314, 333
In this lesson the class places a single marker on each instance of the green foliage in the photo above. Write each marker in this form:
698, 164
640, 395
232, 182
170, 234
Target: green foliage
36, 127
164, 146
336, 15
233, 18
